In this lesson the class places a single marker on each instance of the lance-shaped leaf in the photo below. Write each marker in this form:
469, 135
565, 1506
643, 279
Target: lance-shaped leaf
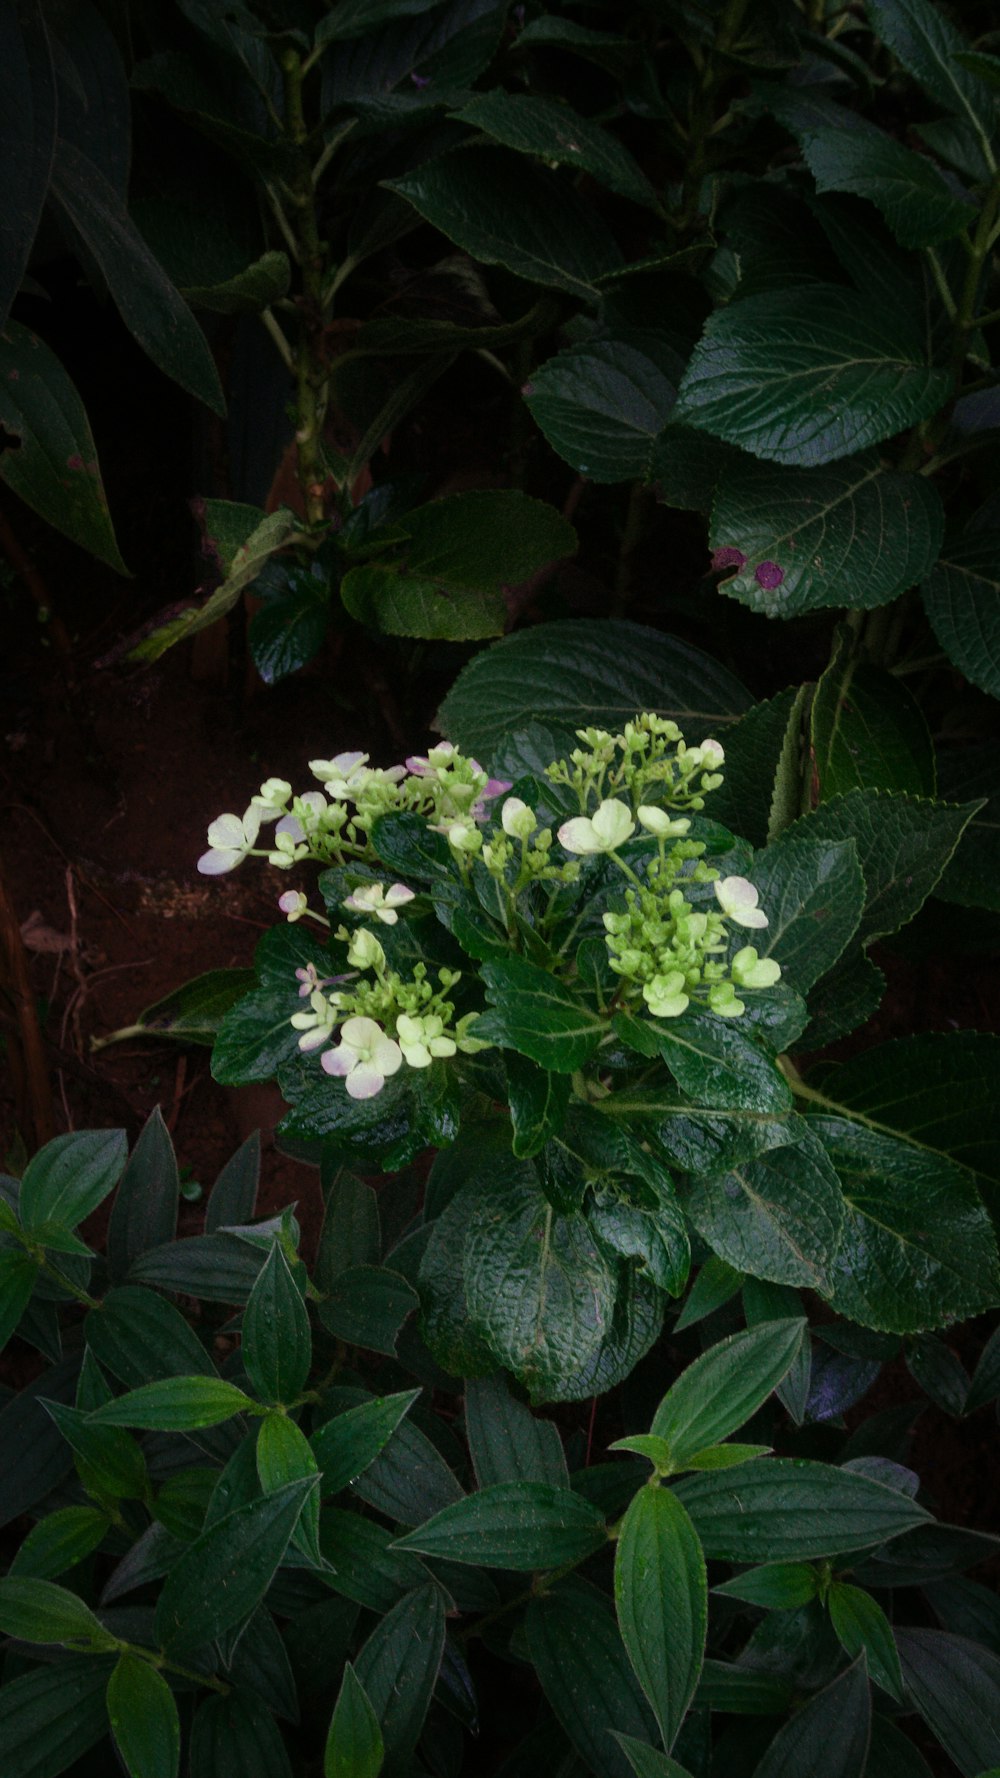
778, 1586
649, 1762
570, 674
661, 1594
778, 1510
961, 597
277, 1342
554, 132
518, 1525
585, 1673
69, 1177
723, 1388
225, 1573
354, 1747
55, 468
18, 1274
398, 1668
862, 1625
285, 1455
238, 1731
346, 1444
273, 533
806, 376
27, 141
955, 1684
850, 533
190, 1014
507, 1442
39, 1611
828, 1737
51, 1716
59, 1541
144, 1213
144, 1722
138, 1337
176, 1404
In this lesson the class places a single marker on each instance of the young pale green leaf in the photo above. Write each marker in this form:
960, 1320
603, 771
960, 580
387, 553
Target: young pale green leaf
18, 1273
51, 1716
661, 1595
813, 893
537, 226
645, 1444
144, 1722
354, 1747
586, 1676
849, 533
779, 1586
649, 1762
276, 1343
723, 1388
961, 597
237, 1734
713, 1061
140, 1337
804, 376
780, 1510
535, 1015
715, 1284
603, 406
55, 468
779, 1217
285, 1455
955, 1685
59, 1541
868, 732
346, 1444
69, 1177
861, 1625
397, 1669
39, 1611
828, 1737
225, 1573
517, 1525
507, 1442
918, 1249
588, 671
144, 1213
176, 1404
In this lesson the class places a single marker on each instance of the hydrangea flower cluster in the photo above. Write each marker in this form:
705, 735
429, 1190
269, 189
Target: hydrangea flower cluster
667, 949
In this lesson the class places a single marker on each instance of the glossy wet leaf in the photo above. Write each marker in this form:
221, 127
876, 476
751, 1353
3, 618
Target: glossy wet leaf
718, 1065
661, 1595
532, 1013
538, 1098
367, 1306
285, 1455
603, 406
175, 1404
720, 1391
813, 893
867, 731
783, 1509
517, 1525
225, 1573
144, 1722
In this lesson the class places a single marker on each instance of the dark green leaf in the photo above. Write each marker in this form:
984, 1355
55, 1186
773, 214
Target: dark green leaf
285, 1455
149, 305
217, 1268
806, 376
535, 1015
39, 1611
779, 1217
140, 1337
51, 1716
237, 1737
779, 1586
813, 893
648, 1762
354, 1746
955, 1685
144, 1213
367, 1306
972, 878
276, 1341
59, 1541
225, 1573
287, 632
723, 1388
925, 41
69, 1177
589, 671
585, 1674
985, 1385
862, 1625
351, 1235
192, 1013
717, 1065
538, 1099
110, 1462
175, 1404
517, 1525
233, 1197
144, 1722
868, 732
828, 1737
920, 205
962, 599
851, 533
365, 1567
18, 1273
349, 1442
754, 746
603, 406
662, 1598
779, 1510
397, 1669
553, 131
507, 1442
536, 226
27, 141
409, 1480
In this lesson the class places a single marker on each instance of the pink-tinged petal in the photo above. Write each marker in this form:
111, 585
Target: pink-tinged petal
418, 766
398, 894
311, 1040
579, 836
216, 863
364, 1081
339, 1061
496, 786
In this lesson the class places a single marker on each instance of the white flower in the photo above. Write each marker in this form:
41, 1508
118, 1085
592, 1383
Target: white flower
374, 898
610, 827
750, 971
738, 898
659, 822
421, 1039
713, 755
517, 819
364, 1058
665, 995
342, 773
230, 838
364, 951
293, 905
464, 836
317, 1024
272, 797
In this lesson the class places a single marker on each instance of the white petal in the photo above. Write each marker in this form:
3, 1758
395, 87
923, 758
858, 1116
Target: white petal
613, 824
339, 1061
365, 1081
387, 1055
579, 836
217, 862
226, 831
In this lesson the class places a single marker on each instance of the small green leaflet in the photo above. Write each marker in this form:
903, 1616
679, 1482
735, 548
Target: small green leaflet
144, 1720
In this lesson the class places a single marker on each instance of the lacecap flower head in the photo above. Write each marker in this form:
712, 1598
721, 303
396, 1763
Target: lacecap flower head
230, 838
